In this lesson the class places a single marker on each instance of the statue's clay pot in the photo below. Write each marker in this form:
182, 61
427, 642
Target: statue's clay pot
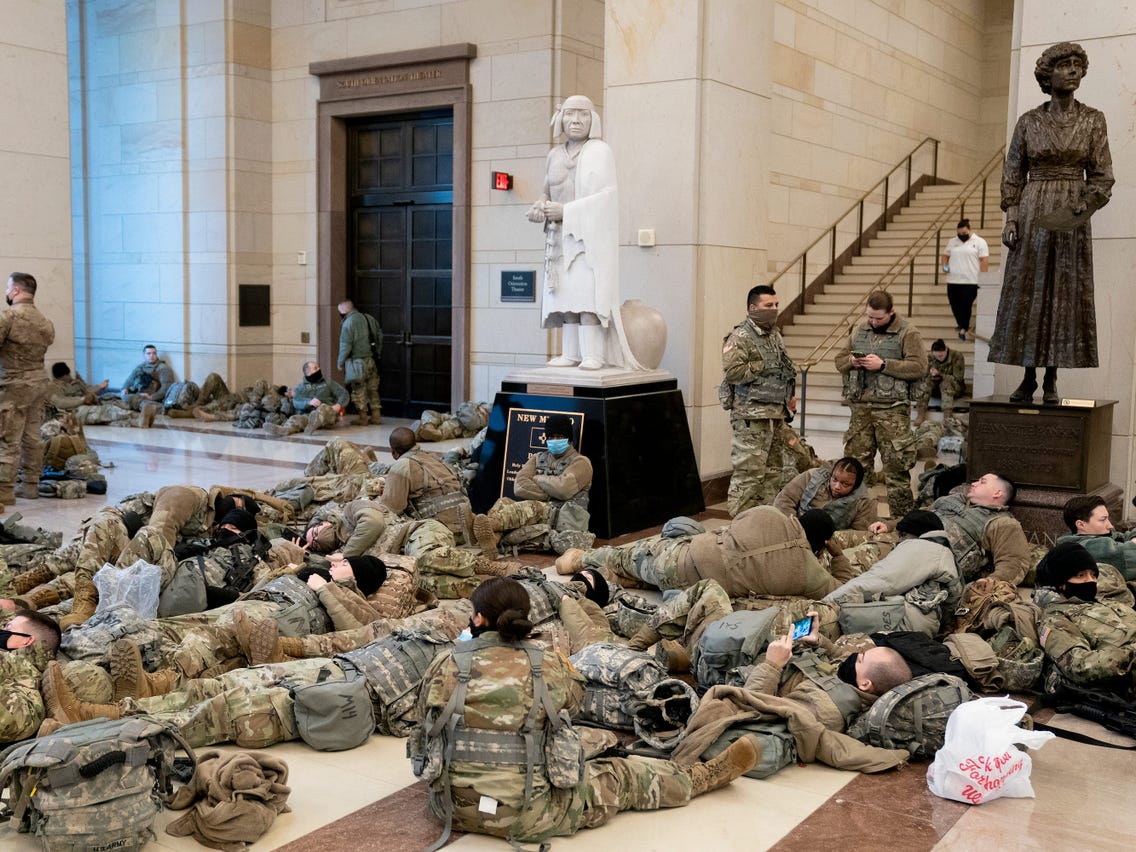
646, 332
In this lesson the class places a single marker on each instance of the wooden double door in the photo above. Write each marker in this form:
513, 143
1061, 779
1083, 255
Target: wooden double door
400, 247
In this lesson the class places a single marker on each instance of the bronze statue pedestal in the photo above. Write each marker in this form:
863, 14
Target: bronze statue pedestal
1051, 452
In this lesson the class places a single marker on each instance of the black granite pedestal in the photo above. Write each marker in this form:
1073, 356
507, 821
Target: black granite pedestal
1051, 452
635, 434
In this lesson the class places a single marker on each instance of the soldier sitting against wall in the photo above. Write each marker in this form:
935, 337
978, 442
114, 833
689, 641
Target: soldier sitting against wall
319, 403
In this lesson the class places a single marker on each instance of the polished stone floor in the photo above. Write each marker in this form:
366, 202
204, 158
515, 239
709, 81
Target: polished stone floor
368, 799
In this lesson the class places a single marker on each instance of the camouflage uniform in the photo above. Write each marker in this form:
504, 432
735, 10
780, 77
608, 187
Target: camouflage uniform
881, 404
1116, 549
552, 494
951, 383
153, 379
1092, 644
323, 417
470, 418
21, 704
498, 698
986, 540
105, 413
759, 382
25, 334
355, 344
341, 456
451, 617
422, 486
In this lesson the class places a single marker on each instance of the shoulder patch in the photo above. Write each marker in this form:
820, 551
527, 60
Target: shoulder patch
1043, 636
727, 348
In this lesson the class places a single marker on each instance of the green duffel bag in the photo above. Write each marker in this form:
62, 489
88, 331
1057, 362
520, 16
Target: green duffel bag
334, 714
778, 747
872, 616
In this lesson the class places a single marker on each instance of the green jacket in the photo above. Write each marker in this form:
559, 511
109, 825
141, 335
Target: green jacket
1112, 549
355, 336
327, 392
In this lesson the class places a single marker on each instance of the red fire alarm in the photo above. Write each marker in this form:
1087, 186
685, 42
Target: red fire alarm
502, 180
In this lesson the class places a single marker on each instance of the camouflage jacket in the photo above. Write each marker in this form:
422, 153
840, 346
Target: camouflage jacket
154, 379
21, 704
759, 377
1088, 642
558, 480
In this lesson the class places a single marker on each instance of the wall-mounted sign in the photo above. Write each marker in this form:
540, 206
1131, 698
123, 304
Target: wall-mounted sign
524, 436
518, 285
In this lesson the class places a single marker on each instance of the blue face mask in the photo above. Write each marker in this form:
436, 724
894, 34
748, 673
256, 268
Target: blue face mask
557, 446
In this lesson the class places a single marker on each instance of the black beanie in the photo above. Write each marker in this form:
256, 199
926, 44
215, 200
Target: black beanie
819, 527
918, 522
600, 593
59, 370
1066, 560
369, 571
559, 424
133, 522
239, 518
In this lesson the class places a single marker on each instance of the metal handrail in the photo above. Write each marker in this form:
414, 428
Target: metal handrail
840, 328
858, 208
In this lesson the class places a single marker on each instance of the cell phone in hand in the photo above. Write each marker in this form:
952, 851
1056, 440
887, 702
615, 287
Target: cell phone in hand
802, 628
859, 354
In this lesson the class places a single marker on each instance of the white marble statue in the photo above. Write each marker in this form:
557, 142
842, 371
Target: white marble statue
579, 209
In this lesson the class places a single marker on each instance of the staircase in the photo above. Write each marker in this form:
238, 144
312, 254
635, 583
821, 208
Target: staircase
825, 415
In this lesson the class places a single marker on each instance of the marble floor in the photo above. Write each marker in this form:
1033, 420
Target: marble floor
368, 799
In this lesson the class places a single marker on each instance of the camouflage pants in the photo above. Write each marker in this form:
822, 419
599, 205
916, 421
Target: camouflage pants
949, 389
245, 706
323, 417
634, 783
340, 456
686, 615
21, 449
212, 388
887, 430
756, 457
197, 641
657, 561
103, 413
514, 514
451, 619
365, 393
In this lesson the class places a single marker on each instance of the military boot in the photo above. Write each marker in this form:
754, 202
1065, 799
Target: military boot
27, 581
742, 756
674, 656
83, 605
130, 679
490, 567
28, 490
485, 534
222, 667
38, 598
275, 431
48, 726
149, 411
644, 638
261, 641
204, 416
62, 703
570, 562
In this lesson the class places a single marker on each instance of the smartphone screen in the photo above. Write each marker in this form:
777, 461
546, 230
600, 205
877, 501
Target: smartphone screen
802, 628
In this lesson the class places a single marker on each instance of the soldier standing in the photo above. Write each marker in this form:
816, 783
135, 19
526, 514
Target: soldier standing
881, 362
758, 390
357, 341
25, 334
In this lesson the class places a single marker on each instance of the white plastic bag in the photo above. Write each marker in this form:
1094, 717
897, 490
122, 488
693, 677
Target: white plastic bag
138, 586
978, 761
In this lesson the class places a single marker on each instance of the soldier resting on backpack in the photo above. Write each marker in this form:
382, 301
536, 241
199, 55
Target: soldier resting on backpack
837, 488
760, 552
921, 569
1090, 641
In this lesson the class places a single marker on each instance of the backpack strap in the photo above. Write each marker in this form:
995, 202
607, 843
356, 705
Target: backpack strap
448, 719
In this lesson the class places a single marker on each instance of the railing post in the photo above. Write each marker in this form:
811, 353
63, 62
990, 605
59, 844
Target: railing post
938, 253
982, 217
907, 193
804, 274
935, 163
910, 287
802, 401
886, 181
832, 255
860, 229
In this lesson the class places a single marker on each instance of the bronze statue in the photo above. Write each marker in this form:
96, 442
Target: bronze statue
1058, 172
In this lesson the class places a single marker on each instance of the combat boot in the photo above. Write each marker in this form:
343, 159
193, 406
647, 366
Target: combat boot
204, 416
130, 679
63, 705
676, 657
275, 431
261, 641
24, 583
83, 605
28, 490
149, 411
490, 567
313, 423
644, 638
222, 667
38, 598
48, 726
485, 535
570, 562
742, 756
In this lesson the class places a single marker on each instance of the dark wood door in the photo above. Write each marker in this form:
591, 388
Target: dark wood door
400, 242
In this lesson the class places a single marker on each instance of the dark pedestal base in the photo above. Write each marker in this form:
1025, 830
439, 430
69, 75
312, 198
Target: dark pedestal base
1039, 509
636, 437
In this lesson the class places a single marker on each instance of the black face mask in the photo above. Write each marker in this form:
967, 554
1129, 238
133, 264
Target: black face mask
5, 636
847, 670
964, 237
474, 629
343, 316
1086, 592
8, 299
316, 377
